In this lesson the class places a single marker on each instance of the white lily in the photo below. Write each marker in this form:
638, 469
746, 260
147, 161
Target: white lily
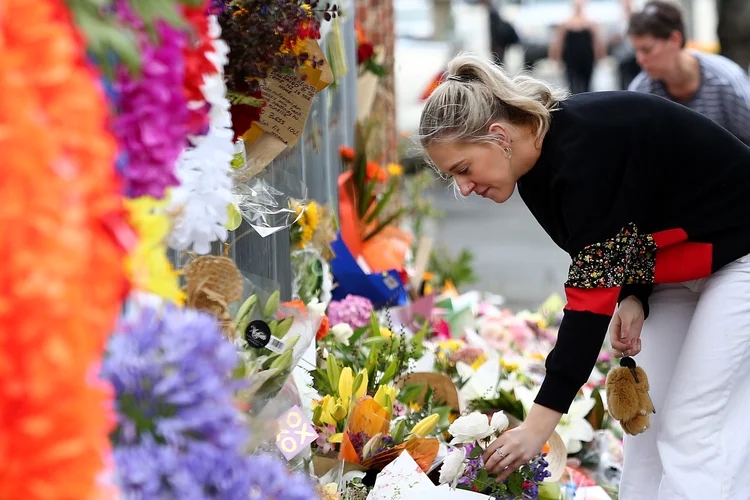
573, 428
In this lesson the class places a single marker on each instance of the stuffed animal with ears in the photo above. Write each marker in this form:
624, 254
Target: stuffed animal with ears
627, 396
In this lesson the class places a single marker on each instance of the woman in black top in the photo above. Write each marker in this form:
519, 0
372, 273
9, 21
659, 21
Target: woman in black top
652, 202
578, 45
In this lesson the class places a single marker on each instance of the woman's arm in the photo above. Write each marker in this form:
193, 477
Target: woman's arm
556, 44
600, 47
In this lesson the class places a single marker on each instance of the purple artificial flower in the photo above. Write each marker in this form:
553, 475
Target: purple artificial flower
152, 121
473, 466
218, 7
179, 432
270, 480
353, 309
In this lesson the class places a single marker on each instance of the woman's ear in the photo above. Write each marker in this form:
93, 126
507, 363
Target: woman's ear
498, 130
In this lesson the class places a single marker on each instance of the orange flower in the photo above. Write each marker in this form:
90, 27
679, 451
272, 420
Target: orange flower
62, 277
324, 328
346, 153
375, 171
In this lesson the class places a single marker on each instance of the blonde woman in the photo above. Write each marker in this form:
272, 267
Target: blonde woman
650, 199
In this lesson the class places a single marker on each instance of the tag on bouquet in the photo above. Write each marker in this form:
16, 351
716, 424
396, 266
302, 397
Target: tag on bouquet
276, 345
258, 334
296, 432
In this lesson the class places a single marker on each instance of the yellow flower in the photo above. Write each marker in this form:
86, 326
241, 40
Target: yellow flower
395, 169
362, 389
147, 265
346, 381
415, 407
385, 397
508, 366
425, 426
312, 215
385, 332
479, 362
451, 345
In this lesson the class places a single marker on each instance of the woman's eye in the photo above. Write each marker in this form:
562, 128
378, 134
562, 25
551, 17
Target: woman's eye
463, 171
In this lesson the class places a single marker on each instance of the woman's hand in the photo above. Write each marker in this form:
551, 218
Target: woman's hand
517, 446
625, 331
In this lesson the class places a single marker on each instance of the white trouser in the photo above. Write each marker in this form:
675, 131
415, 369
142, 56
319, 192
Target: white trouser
696, 353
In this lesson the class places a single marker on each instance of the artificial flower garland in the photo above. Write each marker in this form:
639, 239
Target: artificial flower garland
152, 119
62, 278
204, 193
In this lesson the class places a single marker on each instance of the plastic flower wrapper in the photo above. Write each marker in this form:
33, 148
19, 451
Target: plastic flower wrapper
312, 276
265, 200
463, 467
271, 339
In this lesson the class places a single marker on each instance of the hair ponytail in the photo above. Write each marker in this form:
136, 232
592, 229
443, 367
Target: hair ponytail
476, 93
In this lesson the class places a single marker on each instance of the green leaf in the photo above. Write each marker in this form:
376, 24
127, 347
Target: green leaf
357, 335
374, 325
390, 372
272, 305
360, 161
387, 222
515, 484
334, 372
475, 452
399, 432
366, 200
383, 201
283, 327
410, 393
373, 341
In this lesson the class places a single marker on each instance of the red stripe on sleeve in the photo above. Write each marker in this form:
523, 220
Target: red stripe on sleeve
595, 300
669, 237
683, 262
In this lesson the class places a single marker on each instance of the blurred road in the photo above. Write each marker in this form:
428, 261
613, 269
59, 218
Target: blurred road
513, 256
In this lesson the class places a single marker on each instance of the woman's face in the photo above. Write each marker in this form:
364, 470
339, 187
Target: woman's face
480, 168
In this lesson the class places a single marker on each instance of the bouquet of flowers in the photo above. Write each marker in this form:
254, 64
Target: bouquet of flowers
464, 466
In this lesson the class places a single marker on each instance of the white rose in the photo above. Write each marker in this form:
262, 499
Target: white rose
470, 429
454, 466
499, 422
342, 332
317, 307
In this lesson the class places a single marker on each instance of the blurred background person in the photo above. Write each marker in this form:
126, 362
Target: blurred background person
622, 49
578, 46
502, 33
707, 83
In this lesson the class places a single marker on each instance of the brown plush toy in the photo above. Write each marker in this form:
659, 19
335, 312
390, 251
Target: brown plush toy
627, 397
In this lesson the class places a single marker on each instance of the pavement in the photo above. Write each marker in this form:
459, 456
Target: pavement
513, 256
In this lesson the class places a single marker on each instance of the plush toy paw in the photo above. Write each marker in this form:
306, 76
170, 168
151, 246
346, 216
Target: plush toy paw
636, 425
628, 400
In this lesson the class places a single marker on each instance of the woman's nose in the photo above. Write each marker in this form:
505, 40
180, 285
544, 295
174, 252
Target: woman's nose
466, 187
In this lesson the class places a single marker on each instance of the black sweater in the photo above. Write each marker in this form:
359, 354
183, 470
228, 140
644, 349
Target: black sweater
638, 190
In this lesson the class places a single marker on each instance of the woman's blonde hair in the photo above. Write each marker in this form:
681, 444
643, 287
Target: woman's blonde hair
477, 93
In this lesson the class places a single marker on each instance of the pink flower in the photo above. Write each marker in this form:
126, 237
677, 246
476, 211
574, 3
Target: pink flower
353, 310
604, 356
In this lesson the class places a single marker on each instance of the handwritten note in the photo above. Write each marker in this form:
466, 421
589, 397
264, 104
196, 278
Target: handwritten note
288, 101
296, 433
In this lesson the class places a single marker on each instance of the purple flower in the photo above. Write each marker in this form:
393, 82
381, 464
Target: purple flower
270, 480
179, 432
152, 121
473, 466
353, 309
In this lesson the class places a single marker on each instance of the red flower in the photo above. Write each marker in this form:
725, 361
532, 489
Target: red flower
197, 64
346, 153
243, 116
365, 51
